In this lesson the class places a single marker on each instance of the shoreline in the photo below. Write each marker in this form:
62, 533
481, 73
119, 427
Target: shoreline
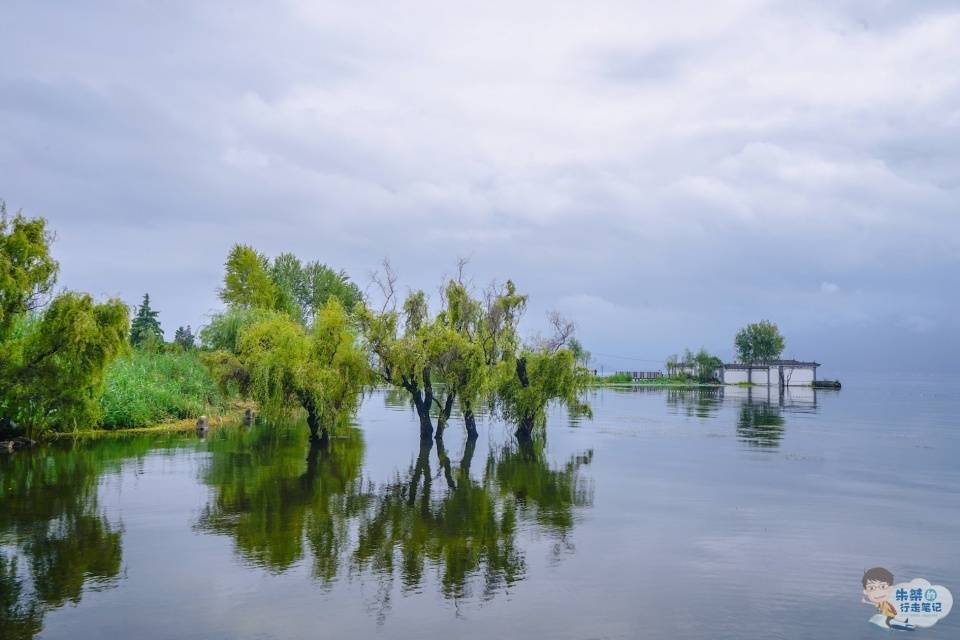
819, 385
654, 383
232, 415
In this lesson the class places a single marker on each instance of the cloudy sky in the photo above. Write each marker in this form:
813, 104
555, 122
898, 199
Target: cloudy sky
661, 172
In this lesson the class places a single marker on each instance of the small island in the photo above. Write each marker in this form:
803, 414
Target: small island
759, 347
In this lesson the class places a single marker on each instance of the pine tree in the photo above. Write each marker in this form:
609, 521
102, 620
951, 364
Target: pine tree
145, 328
184, 338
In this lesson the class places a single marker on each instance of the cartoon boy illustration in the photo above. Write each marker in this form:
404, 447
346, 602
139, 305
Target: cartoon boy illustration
876, 591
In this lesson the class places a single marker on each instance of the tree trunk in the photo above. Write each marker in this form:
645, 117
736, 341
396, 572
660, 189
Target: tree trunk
318, 433
426, 427
423, 409
525, 428
522, 372
470, 422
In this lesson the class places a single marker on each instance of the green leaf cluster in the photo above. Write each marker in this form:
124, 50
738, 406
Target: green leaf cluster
534, 378
759, 342
282, 365
284, 284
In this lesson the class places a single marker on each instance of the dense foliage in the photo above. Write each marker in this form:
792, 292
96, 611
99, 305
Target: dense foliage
252, 281
294, 336
322, 370
52, 355
759, 342
534, 378
287, 339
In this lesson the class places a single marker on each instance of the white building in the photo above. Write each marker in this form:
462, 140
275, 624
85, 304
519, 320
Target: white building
787, 373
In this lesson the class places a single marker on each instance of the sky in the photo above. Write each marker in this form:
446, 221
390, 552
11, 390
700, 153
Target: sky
661, 173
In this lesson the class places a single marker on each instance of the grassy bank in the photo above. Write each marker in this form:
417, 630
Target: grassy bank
231, 413
665, 381
145, 388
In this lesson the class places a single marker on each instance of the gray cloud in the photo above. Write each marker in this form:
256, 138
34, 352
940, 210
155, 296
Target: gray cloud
663, 174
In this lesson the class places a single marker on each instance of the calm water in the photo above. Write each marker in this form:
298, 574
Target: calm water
693, 514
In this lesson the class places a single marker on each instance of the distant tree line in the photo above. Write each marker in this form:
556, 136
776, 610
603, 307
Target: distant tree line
700, 366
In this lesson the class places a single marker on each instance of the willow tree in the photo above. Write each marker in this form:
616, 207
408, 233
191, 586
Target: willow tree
540, 373
53, 353
247, 282
489, 327
437, 360
535, 378
322, 370
399, 355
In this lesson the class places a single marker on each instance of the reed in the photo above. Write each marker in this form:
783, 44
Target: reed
144, 388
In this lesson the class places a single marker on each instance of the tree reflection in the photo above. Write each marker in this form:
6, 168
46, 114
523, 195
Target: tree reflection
700, 402
543, 494
275, 496
760, 424
55, 539
462, 531
281, 503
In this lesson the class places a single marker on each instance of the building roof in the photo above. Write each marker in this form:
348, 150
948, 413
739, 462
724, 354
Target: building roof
771, 363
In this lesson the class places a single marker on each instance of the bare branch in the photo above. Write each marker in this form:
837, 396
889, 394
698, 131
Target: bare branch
461, 265
563, 330
386, 282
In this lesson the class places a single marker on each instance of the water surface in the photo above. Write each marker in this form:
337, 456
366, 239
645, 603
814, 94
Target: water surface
714, 513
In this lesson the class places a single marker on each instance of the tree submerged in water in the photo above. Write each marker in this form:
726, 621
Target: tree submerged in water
470, 352
322, 370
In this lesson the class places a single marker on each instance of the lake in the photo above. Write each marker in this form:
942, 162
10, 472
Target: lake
711, 513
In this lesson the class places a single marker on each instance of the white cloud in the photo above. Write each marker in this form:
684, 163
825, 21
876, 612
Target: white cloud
829, 288
702, 162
